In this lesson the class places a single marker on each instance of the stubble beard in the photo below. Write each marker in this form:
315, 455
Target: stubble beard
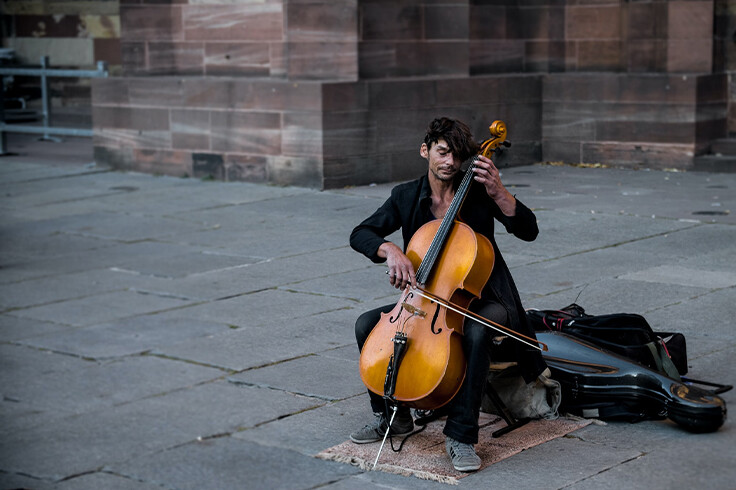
443, 177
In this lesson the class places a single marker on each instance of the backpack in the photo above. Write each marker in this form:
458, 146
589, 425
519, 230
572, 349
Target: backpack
626, 334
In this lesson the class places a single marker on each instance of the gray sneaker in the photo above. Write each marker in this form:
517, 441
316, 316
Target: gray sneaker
403, 425
462, 455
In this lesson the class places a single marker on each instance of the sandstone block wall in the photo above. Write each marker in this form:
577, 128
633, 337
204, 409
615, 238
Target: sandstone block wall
309, 133
644, 120
296, 39
227, 128
330, 93
372, 129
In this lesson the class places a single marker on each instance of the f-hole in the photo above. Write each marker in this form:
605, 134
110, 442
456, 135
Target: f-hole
409, 295
434, 320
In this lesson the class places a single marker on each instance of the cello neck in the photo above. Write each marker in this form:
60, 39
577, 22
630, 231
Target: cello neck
425, 268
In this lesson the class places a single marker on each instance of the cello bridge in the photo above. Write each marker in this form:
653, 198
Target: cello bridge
414, 310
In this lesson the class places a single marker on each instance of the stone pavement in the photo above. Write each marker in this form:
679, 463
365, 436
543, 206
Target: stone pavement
161, 332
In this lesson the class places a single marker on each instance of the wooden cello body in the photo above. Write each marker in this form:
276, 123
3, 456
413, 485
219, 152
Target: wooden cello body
453, 264
433, 366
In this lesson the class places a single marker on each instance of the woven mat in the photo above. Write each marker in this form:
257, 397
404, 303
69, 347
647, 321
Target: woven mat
424, 455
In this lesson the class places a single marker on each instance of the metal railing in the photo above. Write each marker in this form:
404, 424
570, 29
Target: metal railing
44, 72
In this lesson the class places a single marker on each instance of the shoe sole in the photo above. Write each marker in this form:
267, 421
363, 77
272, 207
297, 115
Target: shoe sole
367, 441
466, 469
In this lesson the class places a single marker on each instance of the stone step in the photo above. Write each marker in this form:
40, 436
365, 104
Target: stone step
715, 163
723, 146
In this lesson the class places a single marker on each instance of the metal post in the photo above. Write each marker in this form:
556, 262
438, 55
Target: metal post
3, 138
45, 96
44, 72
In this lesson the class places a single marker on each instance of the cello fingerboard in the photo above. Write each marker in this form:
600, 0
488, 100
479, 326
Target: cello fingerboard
435, 248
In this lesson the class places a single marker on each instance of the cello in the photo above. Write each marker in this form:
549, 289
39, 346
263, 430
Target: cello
413, 356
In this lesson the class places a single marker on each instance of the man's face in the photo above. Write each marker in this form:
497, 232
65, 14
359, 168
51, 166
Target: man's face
442, 162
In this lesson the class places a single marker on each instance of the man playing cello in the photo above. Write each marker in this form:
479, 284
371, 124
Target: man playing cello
447, 144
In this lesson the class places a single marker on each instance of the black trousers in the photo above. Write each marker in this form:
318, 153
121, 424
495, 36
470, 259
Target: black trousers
464, 409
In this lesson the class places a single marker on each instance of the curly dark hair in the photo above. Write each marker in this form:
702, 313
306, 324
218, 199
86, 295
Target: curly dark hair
456, 133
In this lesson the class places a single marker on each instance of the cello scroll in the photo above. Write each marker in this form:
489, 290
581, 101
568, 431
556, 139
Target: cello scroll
498, 131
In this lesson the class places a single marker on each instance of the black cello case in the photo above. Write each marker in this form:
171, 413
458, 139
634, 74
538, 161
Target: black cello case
601, 384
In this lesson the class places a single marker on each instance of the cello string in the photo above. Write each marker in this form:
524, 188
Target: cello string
481, 320
446, 225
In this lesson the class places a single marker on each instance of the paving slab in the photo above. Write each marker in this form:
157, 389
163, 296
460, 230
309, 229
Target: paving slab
715, 366
258, 345
15, 172
684, 276
559, 463
228, 463
379, 480
277, 237
76, 285
87, 442
712, 468
213, 285
185, 264
564, 233
106, 480
39, 192
10, 481
262, 308
100, 308
136, 193
711, 315
314, 431
688, 242
358, 285
637, 193
40, 383
110, 254
549, 276
335, 379
314, 207
126, 337
178, 333
606, 295
18, 244
13, 328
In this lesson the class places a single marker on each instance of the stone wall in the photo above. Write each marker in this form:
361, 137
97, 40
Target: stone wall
331, 93
591, 35
372, 130
634, 120
278, 97
639, 88
413, 38
724, 52
295, 39
314, 134
227, 128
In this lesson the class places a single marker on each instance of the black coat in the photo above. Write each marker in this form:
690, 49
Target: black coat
408, 208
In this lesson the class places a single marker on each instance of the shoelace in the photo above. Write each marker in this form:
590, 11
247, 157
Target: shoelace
462, 450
